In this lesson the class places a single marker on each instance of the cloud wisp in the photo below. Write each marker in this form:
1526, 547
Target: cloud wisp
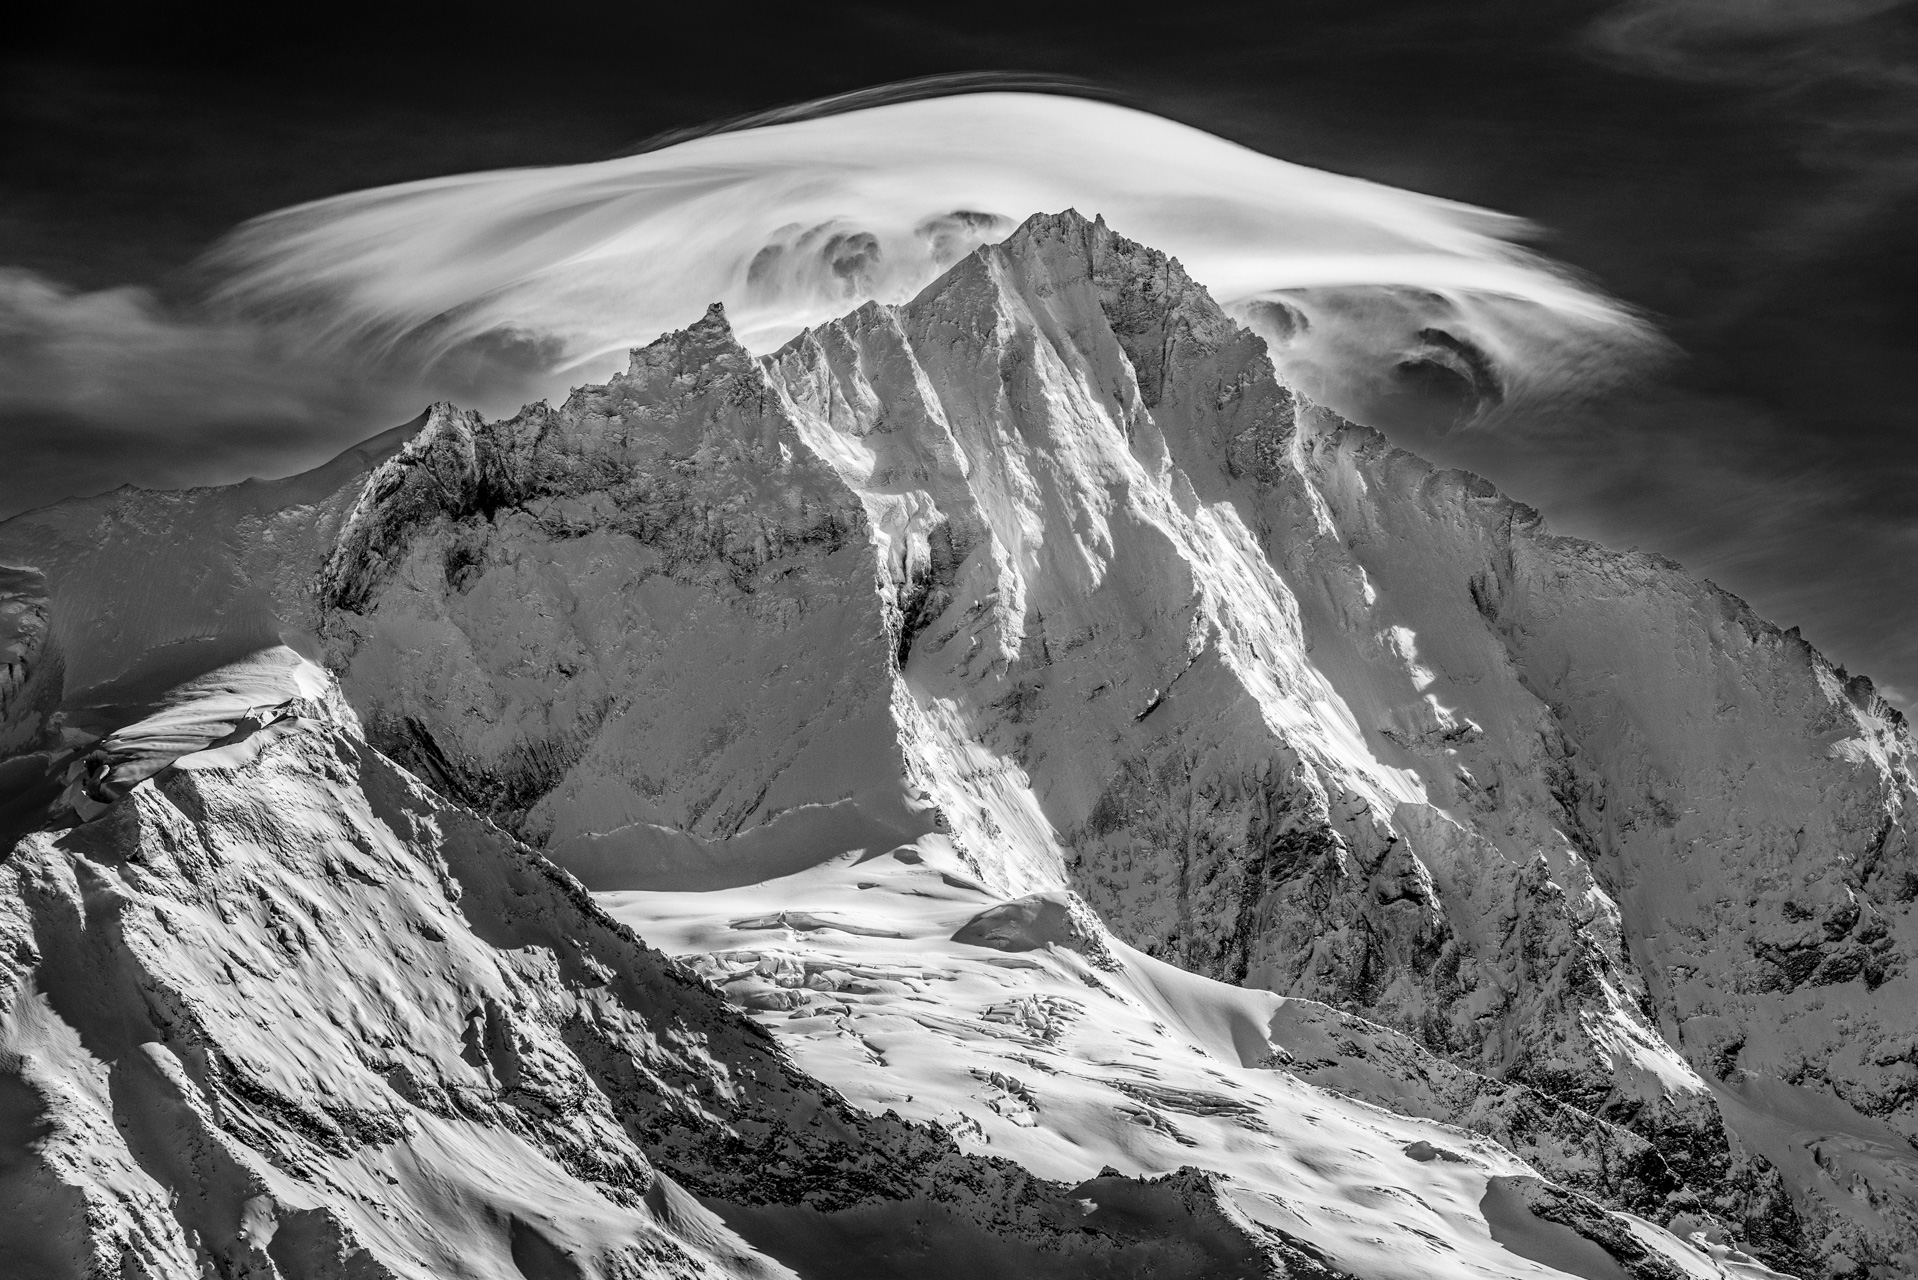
115, 386
1839, 76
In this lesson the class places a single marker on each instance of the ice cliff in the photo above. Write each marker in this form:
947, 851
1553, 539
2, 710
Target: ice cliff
1046, 585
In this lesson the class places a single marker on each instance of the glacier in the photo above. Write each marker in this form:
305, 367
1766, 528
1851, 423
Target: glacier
1103, 806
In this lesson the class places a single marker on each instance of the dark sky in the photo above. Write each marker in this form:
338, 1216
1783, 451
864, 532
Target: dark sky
1746, 171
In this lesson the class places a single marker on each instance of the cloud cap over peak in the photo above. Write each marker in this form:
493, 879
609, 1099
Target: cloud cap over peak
795, 222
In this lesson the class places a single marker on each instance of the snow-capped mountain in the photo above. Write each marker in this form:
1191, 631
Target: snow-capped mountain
1158, 823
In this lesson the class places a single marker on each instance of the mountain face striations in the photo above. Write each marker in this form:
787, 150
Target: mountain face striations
1111, 815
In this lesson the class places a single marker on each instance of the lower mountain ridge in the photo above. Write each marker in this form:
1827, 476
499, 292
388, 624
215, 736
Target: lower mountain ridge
1106, 814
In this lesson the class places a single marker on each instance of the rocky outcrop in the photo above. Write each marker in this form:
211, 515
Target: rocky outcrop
31, 679
1364, 1060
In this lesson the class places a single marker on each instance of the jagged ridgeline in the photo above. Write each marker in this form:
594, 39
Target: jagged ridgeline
1044, 570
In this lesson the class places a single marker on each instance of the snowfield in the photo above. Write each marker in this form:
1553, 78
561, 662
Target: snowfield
1107, 814
1023, 1029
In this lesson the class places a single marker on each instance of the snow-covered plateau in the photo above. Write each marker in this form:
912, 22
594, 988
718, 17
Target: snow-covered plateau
1000, 783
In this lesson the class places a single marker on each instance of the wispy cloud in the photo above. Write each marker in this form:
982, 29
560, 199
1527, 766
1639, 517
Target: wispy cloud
1739, 39
1839, 75
99, 389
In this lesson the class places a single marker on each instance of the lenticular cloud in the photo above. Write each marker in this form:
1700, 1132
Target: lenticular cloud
512, 280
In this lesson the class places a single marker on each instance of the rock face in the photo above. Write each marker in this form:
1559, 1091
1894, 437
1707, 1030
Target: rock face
630, 628
1048, 563
1296, 710
1745, 805
30, 676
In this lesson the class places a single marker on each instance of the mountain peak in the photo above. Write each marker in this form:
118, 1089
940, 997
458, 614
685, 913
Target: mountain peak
706, 340
1042, 587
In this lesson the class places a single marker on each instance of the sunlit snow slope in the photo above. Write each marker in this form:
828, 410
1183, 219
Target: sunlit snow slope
1329, 782
1024, 1029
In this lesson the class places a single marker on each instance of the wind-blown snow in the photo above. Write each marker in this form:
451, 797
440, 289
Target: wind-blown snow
542, 271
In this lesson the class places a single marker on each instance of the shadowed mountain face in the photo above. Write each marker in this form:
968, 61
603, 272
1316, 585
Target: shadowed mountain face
1045, 583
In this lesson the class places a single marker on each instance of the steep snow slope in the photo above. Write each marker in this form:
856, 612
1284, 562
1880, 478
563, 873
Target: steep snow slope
1049, 563
279, 1011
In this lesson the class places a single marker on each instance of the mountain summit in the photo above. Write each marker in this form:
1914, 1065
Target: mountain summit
1160, 825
